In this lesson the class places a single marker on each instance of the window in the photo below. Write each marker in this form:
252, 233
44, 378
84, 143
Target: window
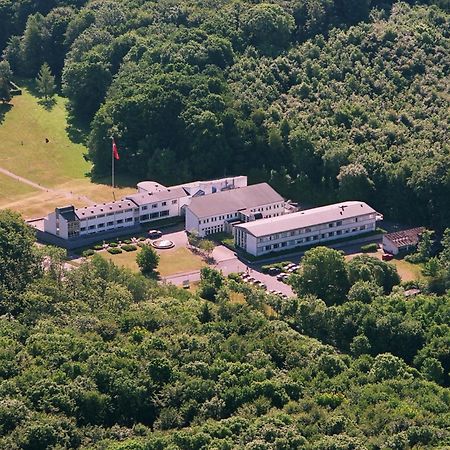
339, 223
330, 225
155, 205
307, 230
91, 227
154, 215
83, 229
110, 214
339, 232
120, 221
164, 213
129, 219
174, 202
101, 225
110, 224
144, 208
144, 217
100, 215
128, 210
267, 247
163, 203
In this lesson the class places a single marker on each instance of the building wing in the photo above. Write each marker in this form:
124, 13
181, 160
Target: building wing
234, 200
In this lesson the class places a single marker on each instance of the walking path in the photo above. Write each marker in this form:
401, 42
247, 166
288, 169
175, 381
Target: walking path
45, 189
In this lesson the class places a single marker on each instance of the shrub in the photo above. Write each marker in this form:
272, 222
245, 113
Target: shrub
88, 252
265, 269
369, 248
129, 247
113, 244
114, 251
98, 247
127, 241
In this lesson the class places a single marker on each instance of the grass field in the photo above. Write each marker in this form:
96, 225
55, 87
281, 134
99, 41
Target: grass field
12, 190
58, 164
178, 260
24, 151
406, 270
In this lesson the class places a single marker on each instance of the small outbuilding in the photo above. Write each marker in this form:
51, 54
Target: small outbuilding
402, 241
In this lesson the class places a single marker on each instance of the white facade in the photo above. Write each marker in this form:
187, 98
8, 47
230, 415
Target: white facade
306, 228
218, 212
389, 246
218, 223
153, 201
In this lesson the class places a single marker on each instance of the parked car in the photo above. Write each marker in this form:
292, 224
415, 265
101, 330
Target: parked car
274, 271
154, 234
387, 257
281, 276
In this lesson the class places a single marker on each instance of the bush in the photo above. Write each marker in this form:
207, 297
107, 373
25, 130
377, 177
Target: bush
369, 248
113, 244
98, 247
114, 251
129, 247
88, 252
127, 241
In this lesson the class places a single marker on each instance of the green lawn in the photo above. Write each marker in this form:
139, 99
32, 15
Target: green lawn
178, 260
12, 190
58, 164
24, 151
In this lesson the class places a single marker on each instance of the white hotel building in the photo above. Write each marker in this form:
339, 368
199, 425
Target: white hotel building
221, 211
305, 228
153, 201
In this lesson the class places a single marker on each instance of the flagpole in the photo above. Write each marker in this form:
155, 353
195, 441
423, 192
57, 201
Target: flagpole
112, 163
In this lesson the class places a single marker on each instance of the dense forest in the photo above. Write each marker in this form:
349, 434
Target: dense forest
102, 358
325, 99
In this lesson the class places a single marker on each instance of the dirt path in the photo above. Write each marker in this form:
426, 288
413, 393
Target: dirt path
45, 189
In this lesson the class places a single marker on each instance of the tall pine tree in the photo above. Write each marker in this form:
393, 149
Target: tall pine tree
46, 82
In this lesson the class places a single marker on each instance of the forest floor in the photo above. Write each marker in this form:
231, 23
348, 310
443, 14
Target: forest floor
41, 167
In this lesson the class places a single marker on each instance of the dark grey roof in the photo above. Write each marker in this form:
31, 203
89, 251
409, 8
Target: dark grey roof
160, 196
103, 208
308, 218
234, 200
68, 213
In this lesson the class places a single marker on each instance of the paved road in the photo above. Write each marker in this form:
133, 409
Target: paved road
44, 188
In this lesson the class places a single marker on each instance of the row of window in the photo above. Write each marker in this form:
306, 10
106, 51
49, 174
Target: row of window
215, 229
99, 216
218, 218
155, 205
107, 224
316, 237
275, 237
154, 215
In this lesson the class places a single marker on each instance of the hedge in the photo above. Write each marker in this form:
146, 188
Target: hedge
127, 241
369, 248
88, 252
98, 247
129, 248
114, 251
113, 244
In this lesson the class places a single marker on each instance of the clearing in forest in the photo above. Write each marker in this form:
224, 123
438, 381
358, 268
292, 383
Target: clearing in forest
37, 147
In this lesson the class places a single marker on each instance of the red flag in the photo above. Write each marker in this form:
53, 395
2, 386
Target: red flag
114, 149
